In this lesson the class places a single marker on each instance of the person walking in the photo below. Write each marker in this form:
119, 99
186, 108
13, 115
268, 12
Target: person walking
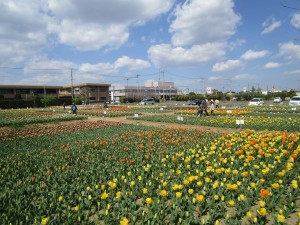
212, 107
74, 108
204, 106
217, 103
199, 110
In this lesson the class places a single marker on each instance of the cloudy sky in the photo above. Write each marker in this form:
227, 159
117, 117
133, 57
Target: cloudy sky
224, 44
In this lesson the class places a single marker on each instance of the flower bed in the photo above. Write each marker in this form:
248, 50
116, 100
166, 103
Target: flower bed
128, 174
18, 118
288, 123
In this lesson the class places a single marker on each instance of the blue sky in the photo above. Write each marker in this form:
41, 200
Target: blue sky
223, 44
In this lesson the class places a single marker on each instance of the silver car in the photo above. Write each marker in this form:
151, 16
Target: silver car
295, 101
256, 101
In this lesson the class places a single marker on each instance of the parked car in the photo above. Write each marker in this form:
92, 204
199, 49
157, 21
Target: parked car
294, 101
147, 101
195, 102
277, 100
256, 101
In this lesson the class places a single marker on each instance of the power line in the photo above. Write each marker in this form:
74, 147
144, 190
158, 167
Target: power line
28, 68
187, 77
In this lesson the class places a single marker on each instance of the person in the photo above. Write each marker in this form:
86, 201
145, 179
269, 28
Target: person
212, 107
199, 110
204, 106
64, 105
217, 103
74, 108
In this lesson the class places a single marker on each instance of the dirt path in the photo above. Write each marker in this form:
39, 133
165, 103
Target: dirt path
124, 119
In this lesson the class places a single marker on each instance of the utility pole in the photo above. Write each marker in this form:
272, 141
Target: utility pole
72, 88
137, 88
163, 75
126, 93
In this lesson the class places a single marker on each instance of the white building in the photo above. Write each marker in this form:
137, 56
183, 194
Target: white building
153, 89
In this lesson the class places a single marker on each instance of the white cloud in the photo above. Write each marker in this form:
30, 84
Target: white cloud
132, 64
293, 72
228, 65
289, 51
200, 21
91, 36
295, 21
28, 28
91, 25
216, 78
42, 70
165, 55
112, 68
232, 64
270, 25
20, 30
250, 54
272, 65
243, 77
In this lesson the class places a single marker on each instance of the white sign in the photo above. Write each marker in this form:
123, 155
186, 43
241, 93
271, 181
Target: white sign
229, 111
136, 115
161, 109
180, 118
294, 108
240, 122
104, 112
209, 90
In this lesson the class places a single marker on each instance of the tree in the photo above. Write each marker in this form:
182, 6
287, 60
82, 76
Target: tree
49, 100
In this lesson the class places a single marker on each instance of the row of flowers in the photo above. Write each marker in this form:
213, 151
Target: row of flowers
17, 118
133, 175
9, 134
282, 123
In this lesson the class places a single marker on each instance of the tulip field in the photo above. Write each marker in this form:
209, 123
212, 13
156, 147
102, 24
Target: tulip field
58, 168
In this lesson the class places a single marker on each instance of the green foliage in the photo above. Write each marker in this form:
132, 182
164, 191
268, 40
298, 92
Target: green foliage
49, 100
78, 101
16, 104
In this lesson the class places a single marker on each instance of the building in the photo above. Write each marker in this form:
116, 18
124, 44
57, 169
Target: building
153, 89
88, 92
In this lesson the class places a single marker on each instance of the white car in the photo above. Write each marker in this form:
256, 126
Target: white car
294, 101
147, 101
256, 101
277, 100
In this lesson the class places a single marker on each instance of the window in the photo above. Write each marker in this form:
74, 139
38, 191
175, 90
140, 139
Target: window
6, 91
51, 91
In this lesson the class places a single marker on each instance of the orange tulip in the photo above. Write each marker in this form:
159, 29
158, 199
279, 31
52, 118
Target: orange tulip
264, 193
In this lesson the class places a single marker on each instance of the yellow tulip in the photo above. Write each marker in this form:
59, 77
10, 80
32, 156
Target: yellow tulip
200, 198
45, 220
262, 211
280, 218
60, 198
148, 201
104, 195
145, 190
178, 194
118, 194
231, 203
124, 221
190, 191
163, 193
